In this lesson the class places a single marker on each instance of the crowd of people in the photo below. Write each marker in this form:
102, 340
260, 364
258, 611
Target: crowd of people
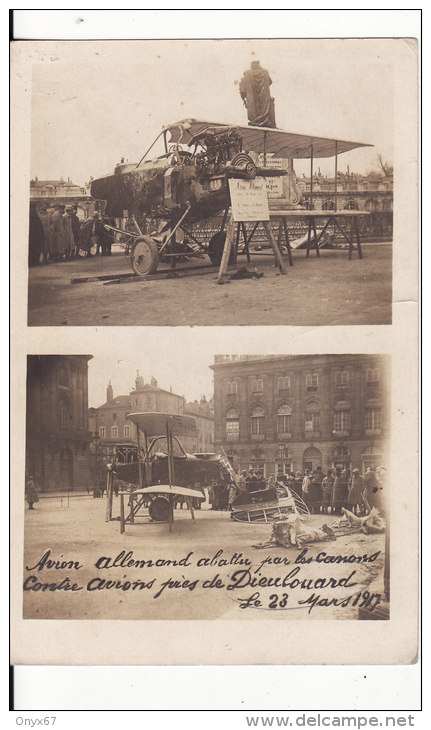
322, 493
329, 493
222, 495
56, 234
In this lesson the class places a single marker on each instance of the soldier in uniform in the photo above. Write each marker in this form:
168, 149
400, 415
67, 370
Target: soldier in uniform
70, 240
35, 237
58, 233
45, 218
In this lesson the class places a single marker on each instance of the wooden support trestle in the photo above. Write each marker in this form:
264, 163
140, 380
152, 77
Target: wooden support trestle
231, 226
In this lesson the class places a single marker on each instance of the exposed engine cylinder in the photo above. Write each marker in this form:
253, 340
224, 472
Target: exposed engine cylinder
243, 165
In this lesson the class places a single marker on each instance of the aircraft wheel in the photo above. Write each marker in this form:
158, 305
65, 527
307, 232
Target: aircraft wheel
144, 256
215, 249
159, 509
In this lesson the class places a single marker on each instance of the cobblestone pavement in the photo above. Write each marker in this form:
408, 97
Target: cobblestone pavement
77, 532
330, 290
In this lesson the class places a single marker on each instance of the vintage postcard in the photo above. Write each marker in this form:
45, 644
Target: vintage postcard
215, 352
266, 498
141, 178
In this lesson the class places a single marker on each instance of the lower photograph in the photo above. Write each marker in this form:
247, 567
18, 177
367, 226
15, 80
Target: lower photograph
258, 489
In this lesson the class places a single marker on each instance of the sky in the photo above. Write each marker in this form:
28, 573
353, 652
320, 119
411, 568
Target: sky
146, 350
192, 384
95, 102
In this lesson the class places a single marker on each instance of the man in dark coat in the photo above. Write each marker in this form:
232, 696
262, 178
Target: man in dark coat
370, 494
317, 480
31, 492
106, 237
254, 90
76, 229
68, 231
338, 492
327, 485
58, 233
45, 218
93, 235
36, 237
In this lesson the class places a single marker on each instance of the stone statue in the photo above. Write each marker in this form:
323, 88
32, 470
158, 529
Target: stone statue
254, 90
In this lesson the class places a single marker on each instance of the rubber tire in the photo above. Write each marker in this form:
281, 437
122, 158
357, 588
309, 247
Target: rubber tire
159, 509
147, 248
215, 249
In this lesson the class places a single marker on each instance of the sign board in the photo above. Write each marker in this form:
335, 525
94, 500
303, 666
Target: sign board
274, 185
249, 200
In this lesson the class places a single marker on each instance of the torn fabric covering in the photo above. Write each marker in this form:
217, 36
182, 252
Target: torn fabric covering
292, 532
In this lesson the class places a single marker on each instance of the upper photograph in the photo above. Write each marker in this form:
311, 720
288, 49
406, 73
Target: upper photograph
217, 182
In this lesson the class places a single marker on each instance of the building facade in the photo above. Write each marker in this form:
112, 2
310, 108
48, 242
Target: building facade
109, 423
203, 413
58, 437
373, 193
62, 192
289, 413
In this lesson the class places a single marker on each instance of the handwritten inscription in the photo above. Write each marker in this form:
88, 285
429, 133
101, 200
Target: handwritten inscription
249, 200
362, 599
45, 562
296, 585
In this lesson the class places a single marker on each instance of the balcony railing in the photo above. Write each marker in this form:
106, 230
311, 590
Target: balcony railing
373, 432
312, 435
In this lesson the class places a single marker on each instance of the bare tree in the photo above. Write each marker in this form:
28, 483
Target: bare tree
388, 169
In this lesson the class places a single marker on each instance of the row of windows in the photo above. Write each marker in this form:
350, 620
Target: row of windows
114, 432
341, 421
372, 375
370, 205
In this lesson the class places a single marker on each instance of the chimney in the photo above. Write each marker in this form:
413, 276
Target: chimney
139, 382
109, 393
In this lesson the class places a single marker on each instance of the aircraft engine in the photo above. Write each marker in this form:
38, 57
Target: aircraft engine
242, 165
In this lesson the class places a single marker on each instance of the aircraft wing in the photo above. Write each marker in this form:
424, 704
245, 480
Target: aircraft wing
166, 489
154, 424
282, 144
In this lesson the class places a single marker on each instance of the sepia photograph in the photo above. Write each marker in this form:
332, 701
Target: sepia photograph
214, 385
258, 192
263, 495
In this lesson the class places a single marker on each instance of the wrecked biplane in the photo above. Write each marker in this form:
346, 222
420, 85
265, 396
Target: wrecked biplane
159, 467
189, 183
